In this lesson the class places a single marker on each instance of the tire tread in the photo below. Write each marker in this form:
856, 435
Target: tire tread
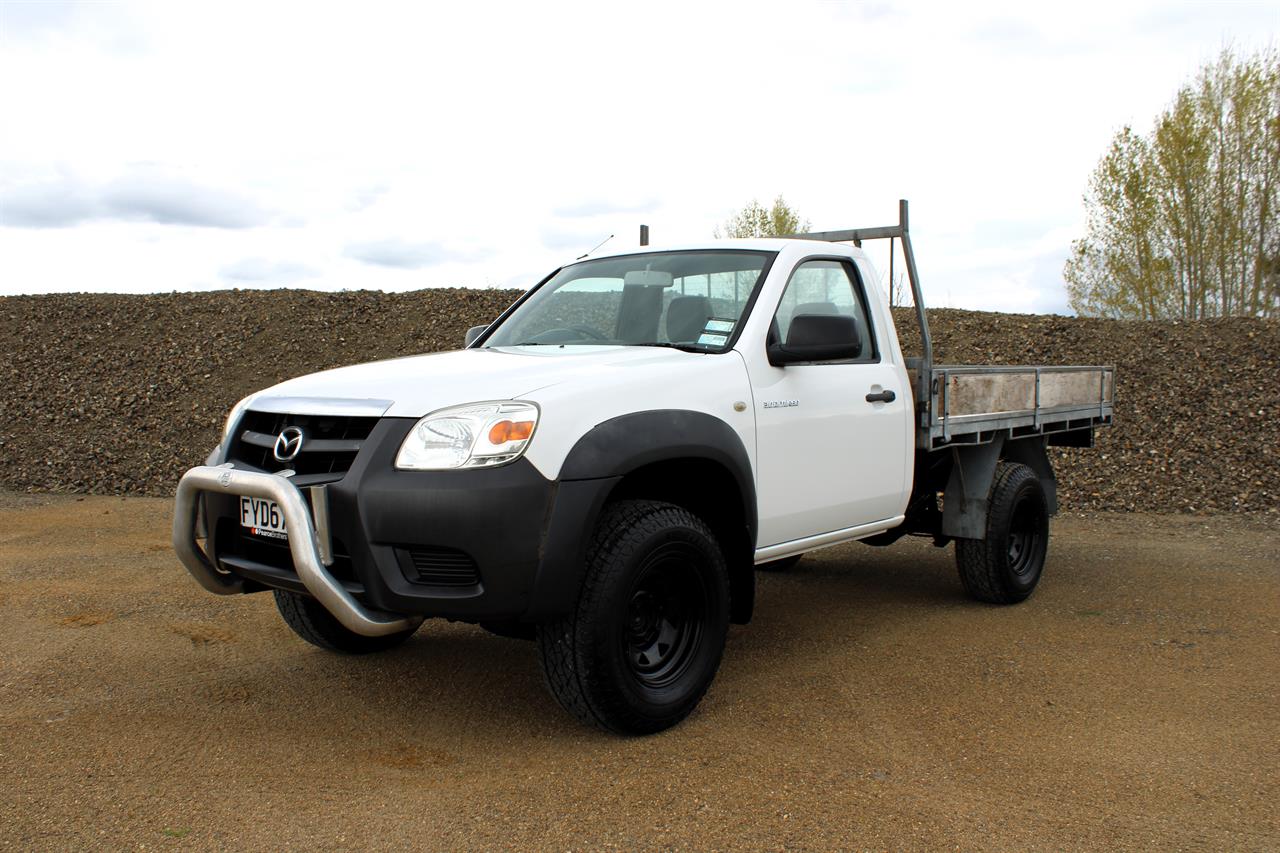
980, 565
567, 663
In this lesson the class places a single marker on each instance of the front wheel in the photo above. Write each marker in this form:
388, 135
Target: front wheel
645, 639
1005, 567
312, 622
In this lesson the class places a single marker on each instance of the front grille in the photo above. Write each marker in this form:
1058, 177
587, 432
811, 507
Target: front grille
329, 446
435, 566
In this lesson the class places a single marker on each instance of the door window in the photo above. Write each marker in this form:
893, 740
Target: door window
825, 287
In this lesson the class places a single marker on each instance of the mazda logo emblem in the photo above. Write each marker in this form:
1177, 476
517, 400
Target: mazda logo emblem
288, 444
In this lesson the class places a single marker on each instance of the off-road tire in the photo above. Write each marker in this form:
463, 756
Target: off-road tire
310, 621
783, 565
1005, 567
653, 570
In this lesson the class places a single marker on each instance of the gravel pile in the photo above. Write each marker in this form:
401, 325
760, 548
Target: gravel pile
119, 394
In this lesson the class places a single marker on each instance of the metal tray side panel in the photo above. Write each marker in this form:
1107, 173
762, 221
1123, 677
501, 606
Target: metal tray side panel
983, 393
1076, 388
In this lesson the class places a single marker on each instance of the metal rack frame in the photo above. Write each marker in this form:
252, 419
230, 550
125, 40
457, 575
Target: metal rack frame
935, 423
901, 231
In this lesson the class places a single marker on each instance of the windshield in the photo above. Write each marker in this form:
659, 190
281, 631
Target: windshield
689, 300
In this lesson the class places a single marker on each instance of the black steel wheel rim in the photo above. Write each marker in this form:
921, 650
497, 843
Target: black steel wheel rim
665, 619
1026, 536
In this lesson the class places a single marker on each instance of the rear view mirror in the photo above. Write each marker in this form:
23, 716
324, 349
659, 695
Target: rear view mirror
472, 334
647, 278
817, 337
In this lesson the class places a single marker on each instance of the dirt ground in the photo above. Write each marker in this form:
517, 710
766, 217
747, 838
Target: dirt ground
1133, 703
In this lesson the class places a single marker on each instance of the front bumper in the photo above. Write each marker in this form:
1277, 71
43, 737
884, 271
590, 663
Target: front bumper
306, 548
483, 544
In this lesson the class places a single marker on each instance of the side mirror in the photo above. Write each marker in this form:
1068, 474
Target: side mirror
473, 333
817, 337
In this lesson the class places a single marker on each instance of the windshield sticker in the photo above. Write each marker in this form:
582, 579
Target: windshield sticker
712, 340
713, 325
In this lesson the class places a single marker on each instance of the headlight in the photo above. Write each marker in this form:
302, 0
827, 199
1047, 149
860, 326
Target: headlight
236, 411
478, 435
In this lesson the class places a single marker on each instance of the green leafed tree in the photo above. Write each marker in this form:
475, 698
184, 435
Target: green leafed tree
756, 220
1182, 222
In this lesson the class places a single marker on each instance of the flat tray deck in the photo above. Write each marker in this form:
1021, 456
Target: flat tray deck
969, 402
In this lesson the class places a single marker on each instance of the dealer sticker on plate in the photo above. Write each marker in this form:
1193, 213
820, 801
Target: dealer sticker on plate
263, 518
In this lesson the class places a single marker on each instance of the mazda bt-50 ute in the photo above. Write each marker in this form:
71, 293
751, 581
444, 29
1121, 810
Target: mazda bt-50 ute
603, 466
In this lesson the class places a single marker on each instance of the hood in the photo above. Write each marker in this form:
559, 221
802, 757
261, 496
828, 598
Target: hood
418, 385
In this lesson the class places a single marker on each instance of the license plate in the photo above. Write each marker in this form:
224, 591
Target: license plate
263, 518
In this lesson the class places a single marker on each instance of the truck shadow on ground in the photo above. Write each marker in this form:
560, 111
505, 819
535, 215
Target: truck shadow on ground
454, 676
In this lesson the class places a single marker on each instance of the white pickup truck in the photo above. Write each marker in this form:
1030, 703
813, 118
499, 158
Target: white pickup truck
603, 466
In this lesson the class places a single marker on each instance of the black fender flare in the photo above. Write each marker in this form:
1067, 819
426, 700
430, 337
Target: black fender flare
599, 460
620, 445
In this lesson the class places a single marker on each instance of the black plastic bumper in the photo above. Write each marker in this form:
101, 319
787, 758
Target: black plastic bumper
480, 544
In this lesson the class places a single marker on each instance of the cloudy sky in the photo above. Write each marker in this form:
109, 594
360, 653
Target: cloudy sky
195, 146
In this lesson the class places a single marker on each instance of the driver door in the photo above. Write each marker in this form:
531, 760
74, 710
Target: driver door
828, 459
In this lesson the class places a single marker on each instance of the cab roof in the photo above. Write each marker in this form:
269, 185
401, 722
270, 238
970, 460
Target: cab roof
757, 244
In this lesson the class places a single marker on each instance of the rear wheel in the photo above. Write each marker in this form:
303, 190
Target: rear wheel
645, 639
310, 621
1005, 567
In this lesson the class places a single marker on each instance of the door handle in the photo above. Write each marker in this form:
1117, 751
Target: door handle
885, 396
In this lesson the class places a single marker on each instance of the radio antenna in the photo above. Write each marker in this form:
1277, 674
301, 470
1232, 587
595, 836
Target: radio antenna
597, 246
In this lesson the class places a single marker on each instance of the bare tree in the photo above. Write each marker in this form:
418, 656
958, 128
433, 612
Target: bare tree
1183, 222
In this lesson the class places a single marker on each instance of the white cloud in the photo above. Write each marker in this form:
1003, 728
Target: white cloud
265, 271
57, 204
403, 146
409, 255
575, 239
32, 19
605, 207
140, 194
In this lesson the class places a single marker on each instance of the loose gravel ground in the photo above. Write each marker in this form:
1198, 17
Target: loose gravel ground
1130, 704
119, 394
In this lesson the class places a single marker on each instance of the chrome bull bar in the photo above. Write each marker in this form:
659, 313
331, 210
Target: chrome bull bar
310, 552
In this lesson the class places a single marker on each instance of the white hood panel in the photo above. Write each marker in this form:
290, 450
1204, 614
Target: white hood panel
418, 385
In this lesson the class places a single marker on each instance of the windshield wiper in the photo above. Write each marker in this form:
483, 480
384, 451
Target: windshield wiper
669, 345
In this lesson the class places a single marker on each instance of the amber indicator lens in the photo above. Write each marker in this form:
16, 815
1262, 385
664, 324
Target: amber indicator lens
504, 431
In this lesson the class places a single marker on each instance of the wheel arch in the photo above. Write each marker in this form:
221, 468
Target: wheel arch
688, 458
